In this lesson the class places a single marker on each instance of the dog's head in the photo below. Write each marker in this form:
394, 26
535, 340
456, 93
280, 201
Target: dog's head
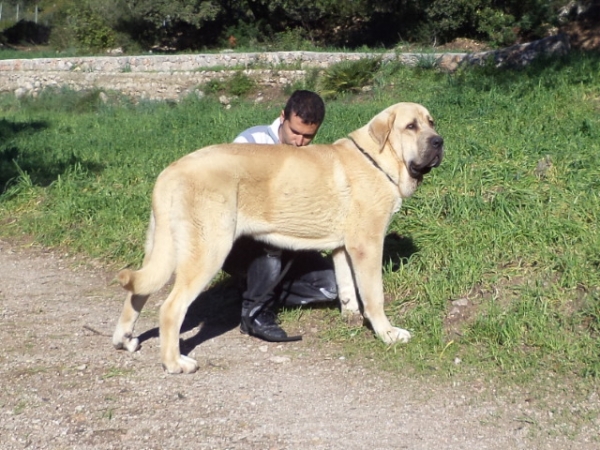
407, 132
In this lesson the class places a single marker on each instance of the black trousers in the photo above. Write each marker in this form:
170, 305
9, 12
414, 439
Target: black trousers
310, 278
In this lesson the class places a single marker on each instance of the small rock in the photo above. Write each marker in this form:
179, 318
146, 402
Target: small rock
280, 359
461, 302
454, 312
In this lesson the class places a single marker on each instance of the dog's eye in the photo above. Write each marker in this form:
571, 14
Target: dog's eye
411, 126
431, 123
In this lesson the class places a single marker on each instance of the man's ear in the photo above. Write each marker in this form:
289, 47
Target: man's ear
380, 128
281, 117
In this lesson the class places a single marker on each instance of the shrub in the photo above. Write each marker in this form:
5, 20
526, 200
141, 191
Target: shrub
214, 86
240, 84
82, 27
292, 39
348, 76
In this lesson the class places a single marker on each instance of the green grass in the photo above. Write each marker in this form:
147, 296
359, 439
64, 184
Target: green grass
40, 52
509, 221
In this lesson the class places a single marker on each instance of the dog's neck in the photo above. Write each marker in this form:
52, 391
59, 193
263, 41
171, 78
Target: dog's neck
370, 158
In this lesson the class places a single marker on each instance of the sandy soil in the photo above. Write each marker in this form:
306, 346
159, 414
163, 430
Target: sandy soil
65, 387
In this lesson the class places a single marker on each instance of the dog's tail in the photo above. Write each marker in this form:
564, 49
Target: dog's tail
159, 261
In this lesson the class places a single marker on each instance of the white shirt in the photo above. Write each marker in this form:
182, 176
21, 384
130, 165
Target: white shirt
261, 134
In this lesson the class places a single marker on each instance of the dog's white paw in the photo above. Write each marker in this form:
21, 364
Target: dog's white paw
126, 342
132, 345
184, 364
396, 334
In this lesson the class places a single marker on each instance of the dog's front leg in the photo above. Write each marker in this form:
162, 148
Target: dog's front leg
349, 306
366, 258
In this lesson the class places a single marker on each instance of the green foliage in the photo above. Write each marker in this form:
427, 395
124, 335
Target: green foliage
246, 34
214, 86
498, 27
348, 77
90, 29
497, 23
240, 84
82, 25
291, 25
165, 12
292, 40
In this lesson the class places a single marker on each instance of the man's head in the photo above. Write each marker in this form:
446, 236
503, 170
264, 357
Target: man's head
301, 118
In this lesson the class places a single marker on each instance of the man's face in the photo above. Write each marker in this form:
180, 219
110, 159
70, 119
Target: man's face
295, 132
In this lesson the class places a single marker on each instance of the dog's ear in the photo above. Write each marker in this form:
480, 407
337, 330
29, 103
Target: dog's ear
380, 128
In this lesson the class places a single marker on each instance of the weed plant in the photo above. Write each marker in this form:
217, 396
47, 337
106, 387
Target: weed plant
348, 77
493, 265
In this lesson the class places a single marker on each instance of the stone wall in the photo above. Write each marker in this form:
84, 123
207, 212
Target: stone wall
160, 77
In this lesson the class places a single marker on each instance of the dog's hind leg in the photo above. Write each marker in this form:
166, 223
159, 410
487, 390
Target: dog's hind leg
123, 335
155, 272
193, 275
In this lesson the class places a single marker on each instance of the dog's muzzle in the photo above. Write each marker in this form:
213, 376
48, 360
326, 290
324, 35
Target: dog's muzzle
433, 158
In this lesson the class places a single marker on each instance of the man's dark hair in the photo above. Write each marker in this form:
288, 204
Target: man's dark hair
307, 105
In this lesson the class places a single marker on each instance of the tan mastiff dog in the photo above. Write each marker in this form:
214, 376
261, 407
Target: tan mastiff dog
338, 197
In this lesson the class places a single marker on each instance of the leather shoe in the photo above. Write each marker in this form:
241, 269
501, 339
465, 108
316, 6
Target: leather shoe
261, 322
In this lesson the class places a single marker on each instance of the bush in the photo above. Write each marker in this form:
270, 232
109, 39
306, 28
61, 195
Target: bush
348, 77
499, 28
240, 84
292, 40
80, 26
214, 87
499, 23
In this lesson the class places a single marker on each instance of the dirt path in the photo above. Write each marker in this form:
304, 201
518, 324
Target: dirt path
63, 386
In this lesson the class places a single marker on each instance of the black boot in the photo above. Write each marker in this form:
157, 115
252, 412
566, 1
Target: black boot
260, 321
258, 312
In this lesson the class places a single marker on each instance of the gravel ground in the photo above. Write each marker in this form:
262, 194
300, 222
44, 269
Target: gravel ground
65, 387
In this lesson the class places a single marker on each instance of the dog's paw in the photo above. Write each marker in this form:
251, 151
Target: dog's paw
184, 364
126, 342
396, 334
